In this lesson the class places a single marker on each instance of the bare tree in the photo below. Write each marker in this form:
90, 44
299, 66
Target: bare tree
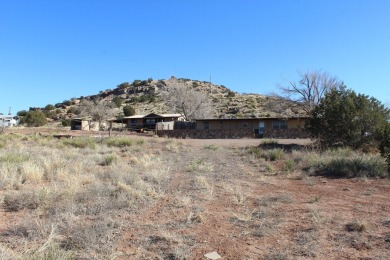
191, 104
310, 89
98, 110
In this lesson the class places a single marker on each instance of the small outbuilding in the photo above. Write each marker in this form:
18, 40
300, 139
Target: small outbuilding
84, 124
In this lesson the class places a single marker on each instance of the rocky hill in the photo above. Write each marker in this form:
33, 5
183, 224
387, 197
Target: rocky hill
147, 96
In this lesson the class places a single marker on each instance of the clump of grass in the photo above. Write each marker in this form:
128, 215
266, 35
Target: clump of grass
289, 165
273, 154
199, 165
109, 160
13, 158
270, 142
345, 163
212, 147
355, 227
120, 141
80, 142
269, 155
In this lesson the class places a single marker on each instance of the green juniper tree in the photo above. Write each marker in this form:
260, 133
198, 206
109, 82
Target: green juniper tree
344, 118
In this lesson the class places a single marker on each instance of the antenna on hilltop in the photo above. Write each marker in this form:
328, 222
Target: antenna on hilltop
9, 111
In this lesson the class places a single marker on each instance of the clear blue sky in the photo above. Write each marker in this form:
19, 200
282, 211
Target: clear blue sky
54, 50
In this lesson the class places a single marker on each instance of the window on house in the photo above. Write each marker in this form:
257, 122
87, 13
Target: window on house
245, 125
206, 125
150, 121
279, 124
132, 121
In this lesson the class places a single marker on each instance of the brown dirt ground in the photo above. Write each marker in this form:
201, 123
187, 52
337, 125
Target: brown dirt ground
267, 216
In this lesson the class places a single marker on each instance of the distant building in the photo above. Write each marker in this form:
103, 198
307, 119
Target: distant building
149, 121
84, 124
9, 120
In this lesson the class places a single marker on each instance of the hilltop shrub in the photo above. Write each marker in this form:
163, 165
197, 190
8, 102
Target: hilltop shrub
67, 102
231, 94
49, 107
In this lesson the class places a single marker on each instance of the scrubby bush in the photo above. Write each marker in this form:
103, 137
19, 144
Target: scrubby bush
35, 118
65, 122
231, 94
346, 163
22, 113
117, 101
50, 114
344, 118
137, 83
385, 143
128, 110
72, 110
67, 102
49, 107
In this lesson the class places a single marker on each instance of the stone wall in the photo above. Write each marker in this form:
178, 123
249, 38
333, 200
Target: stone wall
232, 134
207, 134
287, 133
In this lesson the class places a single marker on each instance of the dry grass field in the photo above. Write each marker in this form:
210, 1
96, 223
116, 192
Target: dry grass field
129, 197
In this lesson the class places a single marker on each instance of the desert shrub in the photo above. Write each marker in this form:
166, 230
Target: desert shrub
67, 102
365, 166
65, 122
35, 118
128, 110
231, 94
355, 227
50, 113
119, 141
80, 142
117, 101
137, 82
345, 163
72, 110
385, 143
150, 80
22, 113
49, 107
